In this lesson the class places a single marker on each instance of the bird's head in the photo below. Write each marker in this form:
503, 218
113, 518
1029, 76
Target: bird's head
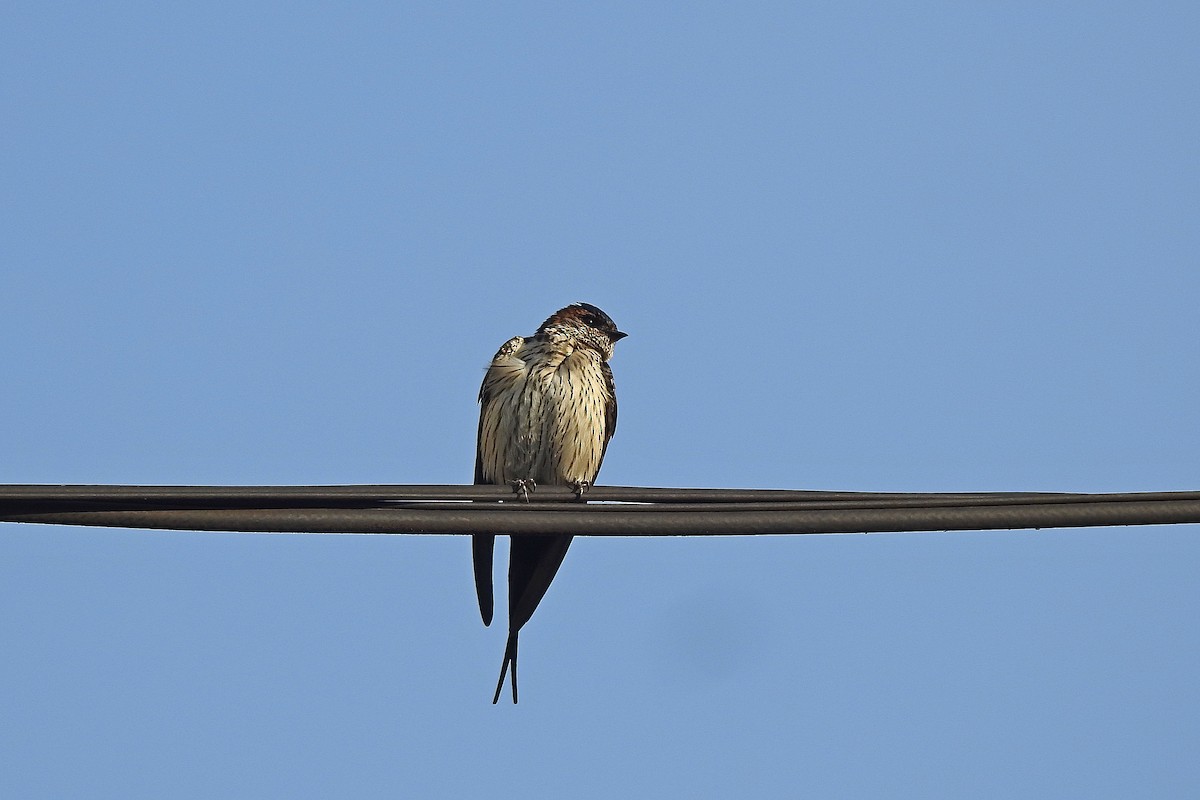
587, 325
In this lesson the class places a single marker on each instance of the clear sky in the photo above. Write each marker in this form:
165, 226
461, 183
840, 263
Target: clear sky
898, 246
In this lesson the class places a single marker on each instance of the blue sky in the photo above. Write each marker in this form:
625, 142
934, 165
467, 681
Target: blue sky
908, 247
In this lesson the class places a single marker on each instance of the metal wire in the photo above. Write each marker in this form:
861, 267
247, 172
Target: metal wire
609, 510
390, 492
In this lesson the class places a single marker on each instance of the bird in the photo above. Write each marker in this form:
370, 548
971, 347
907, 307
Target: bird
548, 408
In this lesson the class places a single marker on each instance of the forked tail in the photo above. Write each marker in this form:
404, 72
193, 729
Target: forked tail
510, 657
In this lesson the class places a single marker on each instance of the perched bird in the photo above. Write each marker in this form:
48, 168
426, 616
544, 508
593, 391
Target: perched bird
547, 411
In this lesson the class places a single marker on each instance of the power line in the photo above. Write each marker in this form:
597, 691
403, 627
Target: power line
609, 510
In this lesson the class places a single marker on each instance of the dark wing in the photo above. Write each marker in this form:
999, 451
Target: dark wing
610, 412
479, 479
483, 544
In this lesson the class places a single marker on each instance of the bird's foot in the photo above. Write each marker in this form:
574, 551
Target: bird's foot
523, 487
580, 488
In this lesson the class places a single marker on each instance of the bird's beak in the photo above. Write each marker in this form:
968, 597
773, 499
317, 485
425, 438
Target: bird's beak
617, 336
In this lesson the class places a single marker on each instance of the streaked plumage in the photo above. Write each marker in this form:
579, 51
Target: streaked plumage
548, 410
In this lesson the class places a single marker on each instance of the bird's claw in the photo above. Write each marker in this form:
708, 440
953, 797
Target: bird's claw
581, 488
523, 487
